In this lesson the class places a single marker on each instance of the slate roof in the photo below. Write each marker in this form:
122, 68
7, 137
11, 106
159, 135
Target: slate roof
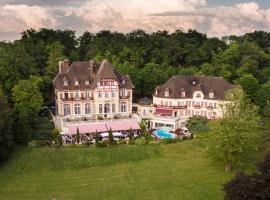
89, 71
190, 84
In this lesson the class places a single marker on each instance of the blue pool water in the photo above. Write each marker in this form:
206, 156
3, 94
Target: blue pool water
163, 133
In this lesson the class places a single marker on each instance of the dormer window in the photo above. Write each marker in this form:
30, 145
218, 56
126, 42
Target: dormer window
183, 94
86, 82
211, 95
76, 83
198, 95
167, 92
65, 83
123, 81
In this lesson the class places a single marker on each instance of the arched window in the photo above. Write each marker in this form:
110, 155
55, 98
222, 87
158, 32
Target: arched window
106, 108
87, 108
77, 109
66, 109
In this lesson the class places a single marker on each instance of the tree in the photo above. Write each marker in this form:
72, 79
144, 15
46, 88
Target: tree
27, 97
263, 95
236, 133
130, 136
78, 137
15, 64
96, 138
27, 100
6, 136
197, 124
250, 187
110, 137
55, 135
249, 84
56, 54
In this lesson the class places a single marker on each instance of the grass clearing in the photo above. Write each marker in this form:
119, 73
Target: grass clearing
176, 171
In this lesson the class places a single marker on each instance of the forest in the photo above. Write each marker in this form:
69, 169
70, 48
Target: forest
28, 65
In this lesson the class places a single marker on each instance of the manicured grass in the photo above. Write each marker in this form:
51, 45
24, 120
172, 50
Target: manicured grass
175, 171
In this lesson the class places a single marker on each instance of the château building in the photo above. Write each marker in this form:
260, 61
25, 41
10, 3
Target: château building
182, 97
90, 90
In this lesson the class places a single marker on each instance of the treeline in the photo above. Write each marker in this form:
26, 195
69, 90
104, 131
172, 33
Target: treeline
28, 65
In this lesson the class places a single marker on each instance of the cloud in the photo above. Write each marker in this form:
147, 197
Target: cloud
125, 16
19, 17
42, 2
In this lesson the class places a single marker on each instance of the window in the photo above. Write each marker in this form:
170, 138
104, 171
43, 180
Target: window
99, 94
123, 81
123, 107
66, 109
86, 82
76, 83
122, 92
211, 95
161, 103
170, 104
113, 93
106, 108
65, 83
106, 95
167, 92
77, 109
100, 108
198, 95
77, 94
87, 94
183, 94
87, 108
113, 107
166, 103
66, 94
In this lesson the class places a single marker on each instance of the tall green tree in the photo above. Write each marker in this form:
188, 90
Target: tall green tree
27, 100
15, 64
236, 133
263, 95
6, 135
249, 84
56, 54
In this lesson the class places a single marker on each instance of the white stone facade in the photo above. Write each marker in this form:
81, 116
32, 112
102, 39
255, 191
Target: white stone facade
102, 101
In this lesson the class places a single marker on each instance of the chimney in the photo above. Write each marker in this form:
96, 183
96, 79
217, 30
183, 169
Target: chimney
61, 63
63, 66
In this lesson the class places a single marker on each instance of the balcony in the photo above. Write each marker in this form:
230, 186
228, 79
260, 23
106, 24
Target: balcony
210, 107
166, 117
77, 98
171, 107
197, 106
124, 97
180, 107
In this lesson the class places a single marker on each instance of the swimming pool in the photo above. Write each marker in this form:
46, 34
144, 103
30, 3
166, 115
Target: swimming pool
163, 133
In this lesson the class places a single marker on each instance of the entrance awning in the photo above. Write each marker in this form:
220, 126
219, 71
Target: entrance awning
122, 125
163, 111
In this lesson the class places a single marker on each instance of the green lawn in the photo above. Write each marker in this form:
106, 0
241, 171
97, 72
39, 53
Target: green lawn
175, 171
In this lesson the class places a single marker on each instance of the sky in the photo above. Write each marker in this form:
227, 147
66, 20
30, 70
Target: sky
213, 17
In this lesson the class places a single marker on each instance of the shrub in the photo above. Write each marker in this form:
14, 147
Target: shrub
110, 138
55, 135
197, 124
100, 118
140, 141
167, 141
101, 144
122, 142
78, 137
